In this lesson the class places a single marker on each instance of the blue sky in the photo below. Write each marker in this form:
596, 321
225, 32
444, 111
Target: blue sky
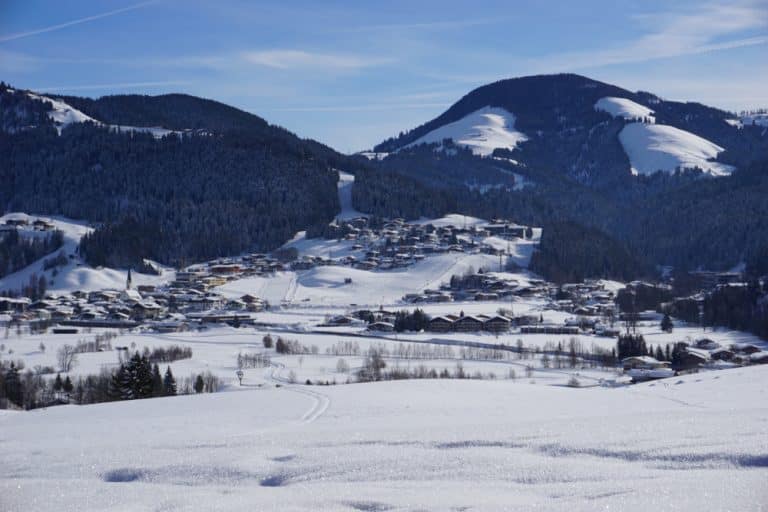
353, 73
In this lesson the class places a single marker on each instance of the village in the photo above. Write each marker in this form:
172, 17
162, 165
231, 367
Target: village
496, 297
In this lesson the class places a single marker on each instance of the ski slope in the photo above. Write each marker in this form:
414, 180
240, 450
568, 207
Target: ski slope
346, 182
624, 108
695, 443
655, 147
327, 285
481, 131
76, 274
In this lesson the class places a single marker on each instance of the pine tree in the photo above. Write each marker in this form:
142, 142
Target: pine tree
68, 386
666, 323
57, 384
157, 381
119, 388
169, 383
13, 386
144, 380
199, 384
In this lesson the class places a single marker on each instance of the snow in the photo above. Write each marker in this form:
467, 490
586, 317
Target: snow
758, 119
695, 443
76, 274
373, 155
346, 182
455, 219
326, 285
654, 147
64, 114
624, 108
481, 131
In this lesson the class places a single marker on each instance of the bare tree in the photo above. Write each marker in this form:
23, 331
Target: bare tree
342, 366
67, 358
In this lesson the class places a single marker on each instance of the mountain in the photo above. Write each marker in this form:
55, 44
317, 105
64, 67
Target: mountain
581, 158
171, 178
177, 179
597, 133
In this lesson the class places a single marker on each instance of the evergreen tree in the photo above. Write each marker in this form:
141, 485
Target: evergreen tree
199, 384
68, 386
158, 388
144, 384
57, 384
169, 383
120, 388
666, 323
13, 387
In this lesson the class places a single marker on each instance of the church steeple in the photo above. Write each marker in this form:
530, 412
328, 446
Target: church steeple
128, 281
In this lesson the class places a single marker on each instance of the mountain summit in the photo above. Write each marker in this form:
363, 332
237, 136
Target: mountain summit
589, 130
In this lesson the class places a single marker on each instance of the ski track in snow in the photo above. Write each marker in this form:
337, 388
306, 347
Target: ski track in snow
320, 404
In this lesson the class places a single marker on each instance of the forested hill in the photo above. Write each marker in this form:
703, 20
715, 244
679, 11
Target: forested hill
233, 183
681, 221
594, 132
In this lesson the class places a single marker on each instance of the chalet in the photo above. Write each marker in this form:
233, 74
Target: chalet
236, 304
759, 358
225, 269
642, 368
743, 348
17, 222
17, 305
468, 324
692, 358
642, 363
441, 324
341, 320
497, 323
145, 310
706, 344
381, 327
131, 296
721, 354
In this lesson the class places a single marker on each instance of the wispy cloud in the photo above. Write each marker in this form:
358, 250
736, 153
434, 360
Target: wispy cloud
59, 26
712, 27
299, 60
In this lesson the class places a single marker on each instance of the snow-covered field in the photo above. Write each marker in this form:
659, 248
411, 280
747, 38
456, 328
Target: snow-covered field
481, 131
516, 438
76, 274
694, 443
